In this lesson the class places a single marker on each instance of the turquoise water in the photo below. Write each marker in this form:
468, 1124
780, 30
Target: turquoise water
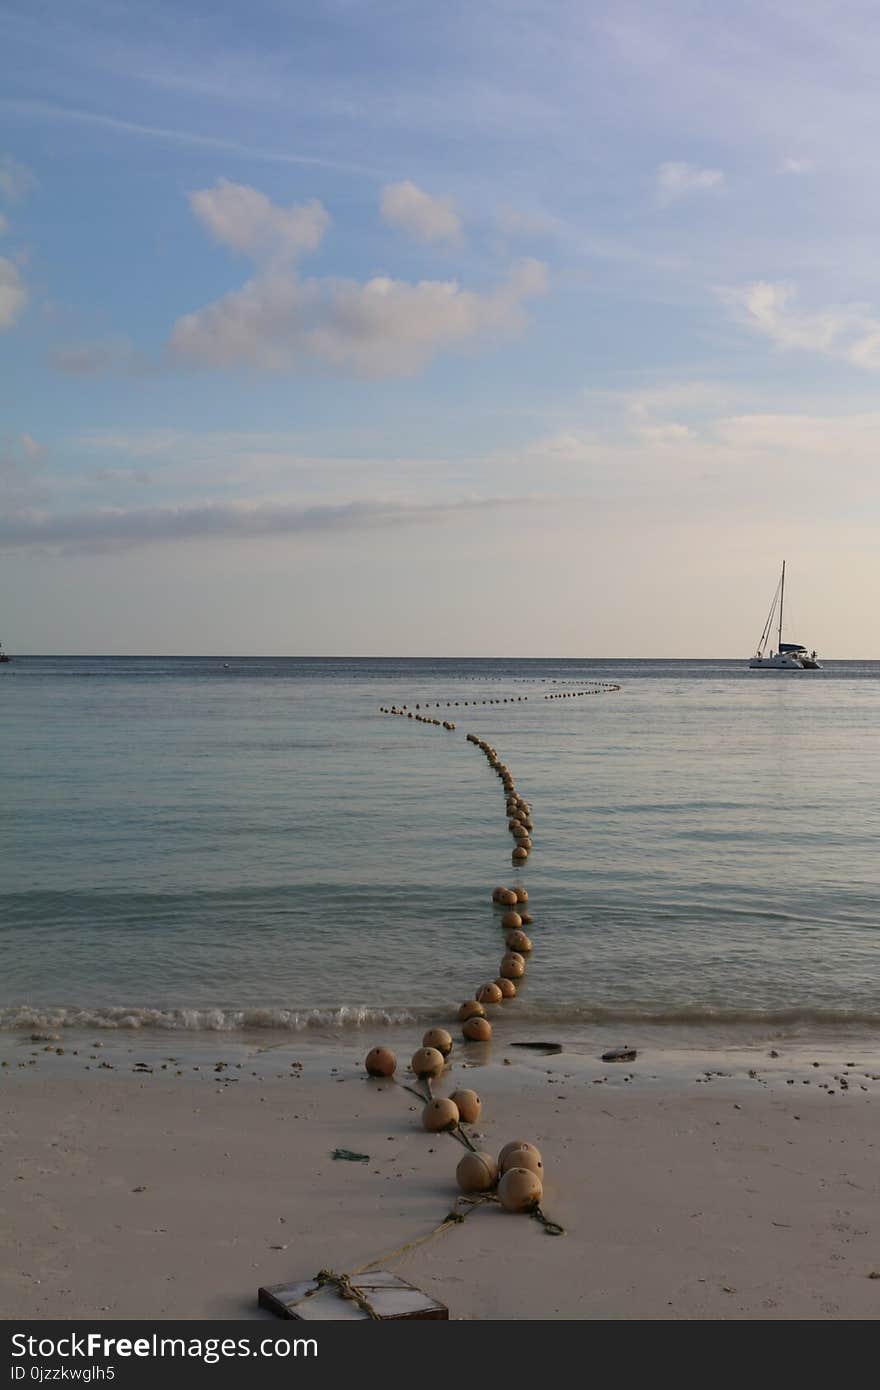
190, 846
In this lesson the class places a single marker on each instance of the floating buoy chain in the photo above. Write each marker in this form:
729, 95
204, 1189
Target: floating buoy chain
419, 718
516, 1181
595, 688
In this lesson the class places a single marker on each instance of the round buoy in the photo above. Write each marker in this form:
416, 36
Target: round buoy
496, 894
507, 987
513, 967
517, 1144
526, 1157
471, 1008
477, 1030
440, 1114
427, 1062
527, 919
476, 1172
521, 894
439, 1038
507, 898
469, 1105
489, 994
519, 942
511, 920
380, 1061
519, 853
520, 1190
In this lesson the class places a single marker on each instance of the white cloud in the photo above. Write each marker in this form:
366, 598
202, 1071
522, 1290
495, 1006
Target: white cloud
663, 435
246, 220
409, 207
677, 180
15, 180
97, 358
801, 435
13, 294
514, 222
691, 396
849, 332
64, 115
112, 528
383, 327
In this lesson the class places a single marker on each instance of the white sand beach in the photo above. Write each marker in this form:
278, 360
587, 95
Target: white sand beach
177, 1192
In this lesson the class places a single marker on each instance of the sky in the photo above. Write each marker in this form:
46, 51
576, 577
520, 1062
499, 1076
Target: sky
490, 327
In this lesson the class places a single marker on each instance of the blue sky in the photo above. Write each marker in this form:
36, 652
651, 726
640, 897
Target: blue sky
470, 328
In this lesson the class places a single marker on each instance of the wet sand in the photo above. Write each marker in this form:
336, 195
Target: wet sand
692, 1183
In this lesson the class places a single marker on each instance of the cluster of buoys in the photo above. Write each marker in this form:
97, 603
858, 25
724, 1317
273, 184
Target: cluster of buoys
512, 968
419, 718
572, 694
517, 1175
601, 685
454, 704
501, 700
519, 813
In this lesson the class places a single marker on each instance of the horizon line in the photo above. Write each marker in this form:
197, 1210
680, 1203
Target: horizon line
353, 656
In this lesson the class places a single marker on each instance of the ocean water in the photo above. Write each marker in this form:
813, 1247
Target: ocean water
250, 845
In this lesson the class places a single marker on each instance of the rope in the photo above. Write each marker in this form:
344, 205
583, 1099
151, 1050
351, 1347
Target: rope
551, 1228
452, 1218
345, 1289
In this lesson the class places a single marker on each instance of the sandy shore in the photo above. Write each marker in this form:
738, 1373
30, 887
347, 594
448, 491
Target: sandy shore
176, 1192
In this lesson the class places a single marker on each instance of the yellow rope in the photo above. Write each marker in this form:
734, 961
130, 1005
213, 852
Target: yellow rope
452, 1218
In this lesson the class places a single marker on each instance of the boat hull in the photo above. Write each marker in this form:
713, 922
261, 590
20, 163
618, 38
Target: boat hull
772, 663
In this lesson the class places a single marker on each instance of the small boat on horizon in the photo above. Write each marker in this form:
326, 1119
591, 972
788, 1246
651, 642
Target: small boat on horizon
3, 656
788, 656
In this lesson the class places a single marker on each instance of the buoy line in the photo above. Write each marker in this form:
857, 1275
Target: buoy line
419, 718
595, 688
515, 1179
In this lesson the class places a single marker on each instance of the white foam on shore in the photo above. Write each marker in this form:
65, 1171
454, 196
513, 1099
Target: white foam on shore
202, 1020
350, 1017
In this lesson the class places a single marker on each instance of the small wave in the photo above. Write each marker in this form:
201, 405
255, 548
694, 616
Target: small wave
345, 1017
203, 1020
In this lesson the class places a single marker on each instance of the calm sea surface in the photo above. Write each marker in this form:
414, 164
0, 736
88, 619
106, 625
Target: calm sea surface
192, 846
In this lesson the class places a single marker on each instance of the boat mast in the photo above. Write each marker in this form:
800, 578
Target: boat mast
781, 602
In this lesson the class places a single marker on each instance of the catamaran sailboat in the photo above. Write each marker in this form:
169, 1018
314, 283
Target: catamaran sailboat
789, 656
